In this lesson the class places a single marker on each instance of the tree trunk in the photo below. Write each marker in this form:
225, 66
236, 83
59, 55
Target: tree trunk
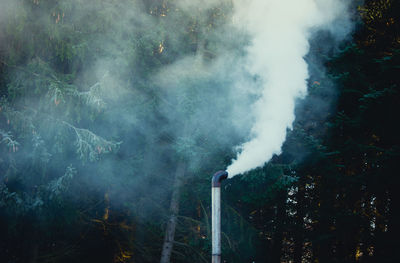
279, 227
174, 210
299, 233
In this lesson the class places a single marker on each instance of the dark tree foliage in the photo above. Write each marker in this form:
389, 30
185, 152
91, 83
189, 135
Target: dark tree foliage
341, 207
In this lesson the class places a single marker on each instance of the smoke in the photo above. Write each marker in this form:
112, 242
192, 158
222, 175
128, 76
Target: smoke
153, 76
106, 98
280, 31
170, 80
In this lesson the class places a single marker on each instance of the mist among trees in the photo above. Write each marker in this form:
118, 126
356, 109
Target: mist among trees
115, 114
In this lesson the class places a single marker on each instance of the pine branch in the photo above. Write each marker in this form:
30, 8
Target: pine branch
89, 145
9, 141
59, 185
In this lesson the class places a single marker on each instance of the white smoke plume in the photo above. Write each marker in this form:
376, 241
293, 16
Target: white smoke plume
280, 31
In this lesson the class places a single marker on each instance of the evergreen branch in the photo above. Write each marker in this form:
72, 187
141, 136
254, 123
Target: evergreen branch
8, 140
92, 96
89, 145
58, 185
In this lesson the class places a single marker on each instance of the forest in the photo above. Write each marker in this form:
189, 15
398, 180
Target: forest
115, 114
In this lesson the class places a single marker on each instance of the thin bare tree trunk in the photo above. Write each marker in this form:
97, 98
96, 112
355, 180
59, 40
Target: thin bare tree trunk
299, 233
279, 227
174, 210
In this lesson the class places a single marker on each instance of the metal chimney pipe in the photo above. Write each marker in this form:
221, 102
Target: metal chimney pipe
216, 214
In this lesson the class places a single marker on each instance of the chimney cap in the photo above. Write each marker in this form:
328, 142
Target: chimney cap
218, 177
